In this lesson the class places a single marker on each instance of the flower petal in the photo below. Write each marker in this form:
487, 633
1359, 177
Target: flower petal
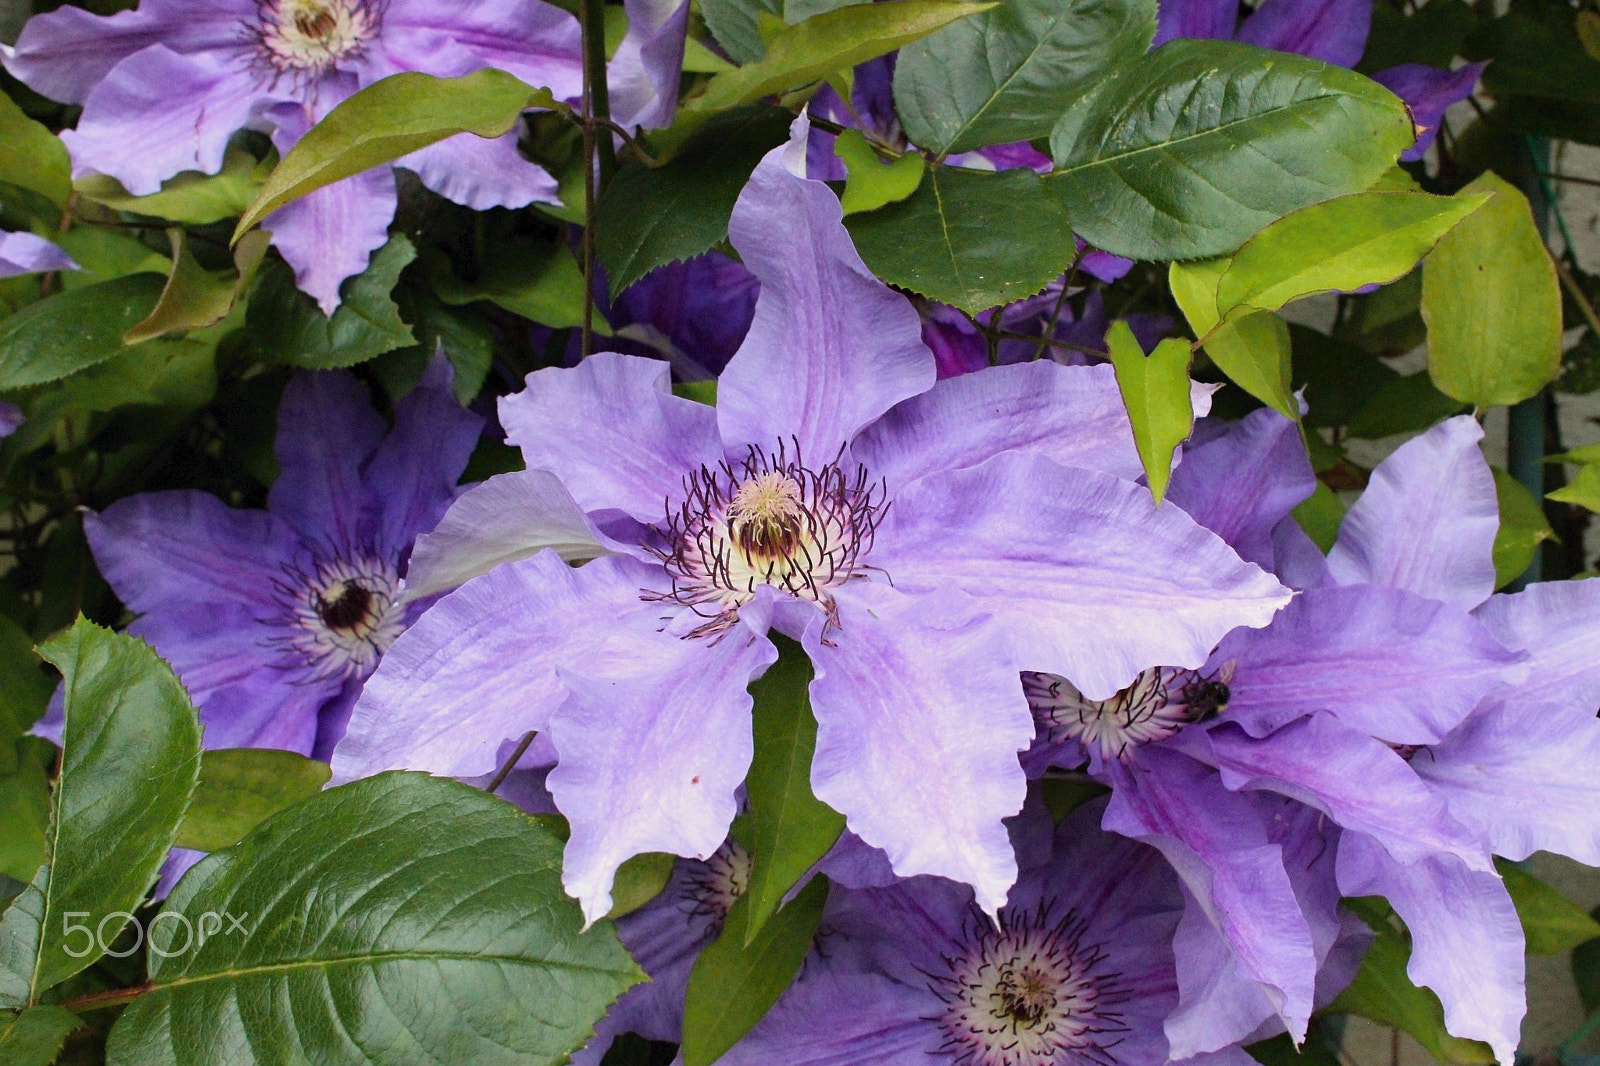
833, 1016
537, 42
1523, 775
330, 234
643, 75
1427, 519
1466, 941
1358, 782
411, 477
1245, 482
831, 347
1384, 662
1558, 624
612, 431
1334, 31
1195, 18
1217, 842
508, 517
1218, 1003
1072, 414
654, 741
25, 253
1428, 92
65, 53
480, 666
159, 112
176, 550
1091, 580
920, 716
327, 431
481, 172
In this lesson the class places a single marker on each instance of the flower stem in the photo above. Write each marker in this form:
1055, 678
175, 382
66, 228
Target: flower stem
599, 154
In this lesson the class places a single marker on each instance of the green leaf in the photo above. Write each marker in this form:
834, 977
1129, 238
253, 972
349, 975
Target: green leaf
242, 787
1155, 390
130, 757
391, 118
733, 985
35, 1037
467, 340
972, 238
639, 880
1320, 515
1383, 993
543, 285
1190, 149
193, 297
191, 197
651, 216
1339, 245
105, 253
290, 328
1280, 1051
1551, 922
24, 804
1009, 73
1404, 405
791, 828
831, 41
1522, 529
400, 918
31, 157
699, 391
1251, 347
1583, 490
872, 182
1586, 970
1337, 377
1537, 52
1492, 303
73, 330
24, 689
734, 24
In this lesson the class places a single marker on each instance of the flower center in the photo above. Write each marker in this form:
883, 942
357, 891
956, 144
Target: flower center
1029, 993
720, 881
346, 615
771, 521
311, 36
1161, 701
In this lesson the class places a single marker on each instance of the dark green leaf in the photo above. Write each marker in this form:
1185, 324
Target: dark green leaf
1404, 405
871, 181
791, 828
1153, 161
544, 285
24, 804
1492, 303
467, 340
1586, 970
191, 197
195, 298
1280, 1051
31, 157
733, 23
391, 118
829, 42
1431, 34
971, 238
73, 330
1155, 390
1522, 529
1537, 53
732, 986
1383, 993
130, 757
1009, 73
290, 328
651, 216
1337, 377
24, 689
242, 787
399, 919
1320, 515
34, 1037
1551, 922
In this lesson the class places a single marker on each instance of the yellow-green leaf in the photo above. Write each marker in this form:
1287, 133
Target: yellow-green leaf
1155, 390
191, 197
31, 157
872, 182
1251, 347
195, 298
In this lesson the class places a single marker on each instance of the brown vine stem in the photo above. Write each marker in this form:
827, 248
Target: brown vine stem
116, 997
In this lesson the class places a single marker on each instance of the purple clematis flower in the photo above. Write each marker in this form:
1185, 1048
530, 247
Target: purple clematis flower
643, 75
25, 253
693, 313
1334, 31
273, 619
11, 418
1322, 706
163, 87
922, 542
1077, 967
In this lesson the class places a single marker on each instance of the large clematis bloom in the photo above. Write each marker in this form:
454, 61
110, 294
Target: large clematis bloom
923, 543
273, 619
164, 86
1323, 706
